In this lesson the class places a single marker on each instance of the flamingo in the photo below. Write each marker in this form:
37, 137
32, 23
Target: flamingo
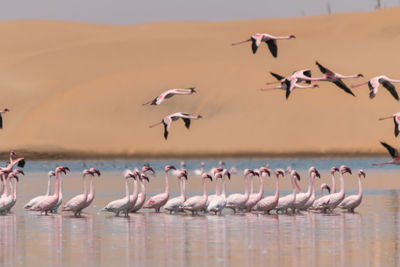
142, 196
197, 203
157, 201
324, 186
374, 83
178, 172
14, 175
77, 203
174, 203
20, 162
330, 202
396, 119
7, 198
90, 196
333, 170
334, 77
270, 40
219, 202
289, 85
299, 75
217, 186
394, 153
200, 171
37, 199
353, 201
302, 198
166, 121
48, 203
288, 201
269, 203
237, 201
254, 198
170, 93
123, 204
1, 118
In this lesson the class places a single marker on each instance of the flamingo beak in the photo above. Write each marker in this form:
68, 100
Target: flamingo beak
317, 174
348, 170
185, 176
328, 188
146, 178
97, 172
172, 168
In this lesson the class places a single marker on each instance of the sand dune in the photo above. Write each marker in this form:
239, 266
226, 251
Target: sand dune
77, 88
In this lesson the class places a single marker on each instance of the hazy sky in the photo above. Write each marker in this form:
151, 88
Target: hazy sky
142, 11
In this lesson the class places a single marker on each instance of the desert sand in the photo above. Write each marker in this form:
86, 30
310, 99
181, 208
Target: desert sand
76, 89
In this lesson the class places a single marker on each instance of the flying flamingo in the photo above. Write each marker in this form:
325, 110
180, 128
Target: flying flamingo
330, 202
37, 199
269, 203
166, 121
270, 40
174, 203
1, 118
289, 86
123, 204
170, 93
14, 175
78, 202
287, 202
335, 78
219, 202
90, 196
254, 198
353, 201
20, 162
394, 153
197, 203
374, 83
299, 75
159, 200
48, 203
302, 198
396, 119
237, 201
324, 186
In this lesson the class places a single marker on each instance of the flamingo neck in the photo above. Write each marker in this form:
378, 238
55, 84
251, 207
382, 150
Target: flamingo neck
313, 188
184, 188
48, 186
359, 84
204, 187
333, 184
57, 185
126, 188
246, 186
310, 183
84, 186
223, 187
91, 187
135, 188
11, 186
297, 186
251, 185
276, 187
217, 187
166, 183
261, 191
3, 178
293, 186
15, 189
143, 188
341, 183
360, 190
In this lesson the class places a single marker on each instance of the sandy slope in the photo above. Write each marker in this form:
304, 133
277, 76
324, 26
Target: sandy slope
79, 87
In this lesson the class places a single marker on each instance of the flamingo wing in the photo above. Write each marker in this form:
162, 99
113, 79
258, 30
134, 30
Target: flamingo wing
1, 122
187, 122
273, 48
254, 44
396, 126
392, 151
288, 87
372, 90
277, 76
390, 87
339, 83
324, 70
166, 129
308, 74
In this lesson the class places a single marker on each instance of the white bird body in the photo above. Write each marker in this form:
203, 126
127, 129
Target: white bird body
353, 201
123, 204
302, 198
174, 204
218, 203
141, 196
269, 203
197, 203
6, 198
254, 198
91, 194
37, 199
238, 201
287, 202
78, 202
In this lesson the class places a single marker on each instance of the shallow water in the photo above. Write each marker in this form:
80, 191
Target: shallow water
369, 237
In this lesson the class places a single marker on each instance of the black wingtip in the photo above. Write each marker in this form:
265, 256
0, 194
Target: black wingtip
21, 163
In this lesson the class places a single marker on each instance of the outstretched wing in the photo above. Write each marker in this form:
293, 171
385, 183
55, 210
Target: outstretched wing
390, 87
187, 122
372, 90
396, 126
339, 83
254, 45
323, 69
166, 130
1, 122
392, 151
21, 163
277, 76
308, 74
273, 47
288, 87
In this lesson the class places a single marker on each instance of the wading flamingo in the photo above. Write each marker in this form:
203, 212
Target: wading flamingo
394, 153
219, 202
174, 203
255, 197
199, 172
323, 187
269, 203
373, 85
3, 111
123, 204
289, 85
330, 202
7, 197
197, 203
37, 199
48, 203
135, 194
14, 175
302, 198
287, 202
159, 200
170, 93
142, 196
90, 196
396, 119
166, 121
78, 202
237, 201
270, 40
353, 201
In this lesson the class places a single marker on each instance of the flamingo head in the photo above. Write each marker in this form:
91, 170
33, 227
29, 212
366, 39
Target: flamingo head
169, 167
296, 175
95, 171
279, 172
257, 173
217, 170
199, 116
292, 36
16, 171
247, 172
265, 170
6, 110
333, 170
218, 175
13, 176
144, 177
325, 186
227, 173
315, 171
137, 172
183, 174
51, 174
62, 169
146, 168
315, 86
344, 169
361, 173
86, 172
360, 75
206, 176
13, 153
